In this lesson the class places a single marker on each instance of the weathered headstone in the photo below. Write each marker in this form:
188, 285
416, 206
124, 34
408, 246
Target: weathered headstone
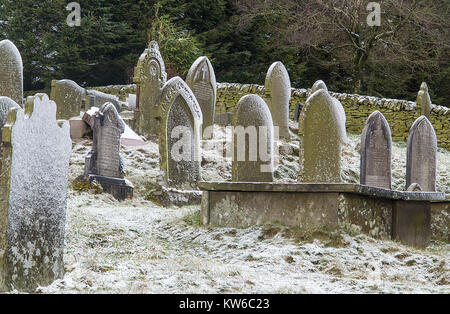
150, 76
98, 99
202, 81
421, 158
278, 95
33, 192
321, 132
298, 109
376, 152
318, 85
104, 163
179, 141
11, 72
69, 97
253, 153
424, 105
6, 104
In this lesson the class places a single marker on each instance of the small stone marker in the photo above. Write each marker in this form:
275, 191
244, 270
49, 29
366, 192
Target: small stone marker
202, 81
150, 76
278, 91
376, 152
321, 132
180, 134
253, 154
69, 97
131, 101
11, 72
424, 105
6, 104
33, 189
104, 163
421, 159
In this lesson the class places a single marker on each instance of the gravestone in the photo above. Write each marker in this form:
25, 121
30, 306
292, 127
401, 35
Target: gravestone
6, 104
33, 193
150, 76
104, 163
11, 72
253, 141
376, 152
278, 95
202, 81
298, 109
180, 135
423, 101
69, 97
318, 85
421, 157
98, 99
322, 133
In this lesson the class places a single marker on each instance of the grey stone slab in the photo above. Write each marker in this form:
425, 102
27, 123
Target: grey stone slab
69, 97
11, 72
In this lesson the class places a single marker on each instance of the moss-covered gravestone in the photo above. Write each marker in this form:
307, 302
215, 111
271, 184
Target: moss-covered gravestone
104, 163
322, 133
423, 102
69, 97
6, 104
376, 152
202, 81
150, 76
421, 158
11, 72
179, 140
278, 95
33, 192
253, 153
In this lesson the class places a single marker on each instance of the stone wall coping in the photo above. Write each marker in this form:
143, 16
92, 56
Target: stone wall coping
350, 188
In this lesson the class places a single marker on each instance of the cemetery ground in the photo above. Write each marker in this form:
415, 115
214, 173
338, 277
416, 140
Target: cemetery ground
136, 246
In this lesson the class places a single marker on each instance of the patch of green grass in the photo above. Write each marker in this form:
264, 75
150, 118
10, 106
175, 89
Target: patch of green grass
193, 218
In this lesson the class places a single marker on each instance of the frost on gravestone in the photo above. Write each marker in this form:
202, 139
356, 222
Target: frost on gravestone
104, 163
98, 99
423, 101
421, 156
253, 153
11, 72
278, 91
202, 81
33, 193
69, 97
179, 141
6, 104
150, 76
321, 132
376, 152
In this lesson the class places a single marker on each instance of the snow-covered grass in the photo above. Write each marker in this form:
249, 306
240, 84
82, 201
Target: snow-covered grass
138, 247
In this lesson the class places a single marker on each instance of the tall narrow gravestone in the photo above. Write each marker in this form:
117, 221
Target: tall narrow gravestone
376, 152
150, 76
70, 98
6, 104
33, 192
104, 163
11, 72
253, 153
423, 102
179, 141
202, 81
421, 158
321, 132
278, 91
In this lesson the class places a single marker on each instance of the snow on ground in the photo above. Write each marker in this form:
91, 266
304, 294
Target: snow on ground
138, 247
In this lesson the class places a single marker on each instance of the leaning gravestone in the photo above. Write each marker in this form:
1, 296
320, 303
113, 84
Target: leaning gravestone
376, 152
179, 141
202, 81
70, 98
421, 158
11, 72
6, 104
322, 133
98, 99
278, 91
33, 192
253, 153
424, 105
150, 76
104, 163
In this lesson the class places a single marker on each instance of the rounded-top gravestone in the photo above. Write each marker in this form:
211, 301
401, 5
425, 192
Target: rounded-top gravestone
11, 72
423, 101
